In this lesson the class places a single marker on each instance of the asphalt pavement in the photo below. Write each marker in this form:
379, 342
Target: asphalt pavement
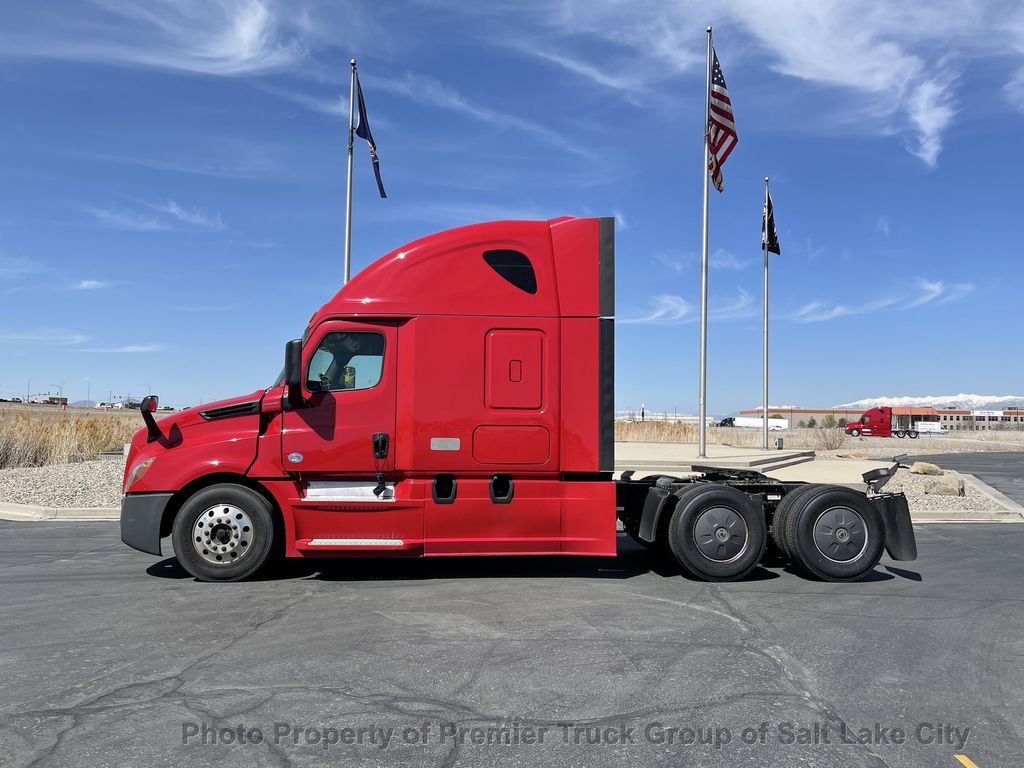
112, 657
1003, 471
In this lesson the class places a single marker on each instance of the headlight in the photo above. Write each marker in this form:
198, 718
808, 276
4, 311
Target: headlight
137, 472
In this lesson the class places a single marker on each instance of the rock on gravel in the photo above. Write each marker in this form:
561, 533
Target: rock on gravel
85, 484
947, 485
920, 500
924, 468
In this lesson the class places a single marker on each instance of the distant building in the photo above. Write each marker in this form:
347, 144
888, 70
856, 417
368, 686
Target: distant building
953, 419
53, 400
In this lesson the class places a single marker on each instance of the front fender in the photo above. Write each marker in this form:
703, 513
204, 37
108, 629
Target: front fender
202, 451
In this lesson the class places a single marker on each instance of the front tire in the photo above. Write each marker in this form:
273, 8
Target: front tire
855, 432
834, 534
717, 533
223, 533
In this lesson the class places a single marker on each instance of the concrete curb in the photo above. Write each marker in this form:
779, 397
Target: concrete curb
996, 495
30, 512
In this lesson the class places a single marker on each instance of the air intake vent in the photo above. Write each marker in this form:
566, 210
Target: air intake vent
227, 411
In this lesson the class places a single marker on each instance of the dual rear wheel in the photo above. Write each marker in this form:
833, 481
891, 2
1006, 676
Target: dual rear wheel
829, 532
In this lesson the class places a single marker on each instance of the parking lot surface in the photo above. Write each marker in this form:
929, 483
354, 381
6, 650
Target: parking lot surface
1003, 471
112, 657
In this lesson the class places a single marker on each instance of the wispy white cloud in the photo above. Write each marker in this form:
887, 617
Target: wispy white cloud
666, 309
128, 349
894, 66
15, 268
89, 285
930, 108
723, 259
120, 218
430, 91
740, 307
620, 220
212, 37
882, 225
194, 216
926, 292
669, 309
676, 262
55, 336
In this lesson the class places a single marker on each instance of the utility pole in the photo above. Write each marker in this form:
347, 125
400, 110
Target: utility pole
28, 390
88, 390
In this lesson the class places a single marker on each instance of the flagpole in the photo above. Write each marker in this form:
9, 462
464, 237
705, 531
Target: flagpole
764, 346
702, 396
348, 182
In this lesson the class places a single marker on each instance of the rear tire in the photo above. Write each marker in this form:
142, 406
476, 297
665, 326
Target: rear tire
912, 434
223, 533
717, 533
785, 508
900, 433
834, 533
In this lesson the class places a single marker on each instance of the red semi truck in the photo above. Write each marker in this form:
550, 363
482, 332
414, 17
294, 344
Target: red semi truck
456, 398
882, 422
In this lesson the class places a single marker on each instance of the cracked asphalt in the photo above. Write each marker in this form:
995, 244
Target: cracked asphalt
112, 657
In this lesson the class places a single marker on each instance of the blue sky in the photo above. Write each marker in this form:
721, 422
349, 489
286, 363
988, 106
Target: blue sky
171, 211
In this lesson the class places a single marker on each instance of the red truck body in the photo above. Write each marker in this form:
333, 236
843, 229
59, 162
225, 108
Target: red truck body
497, 369
876, 422
456, 398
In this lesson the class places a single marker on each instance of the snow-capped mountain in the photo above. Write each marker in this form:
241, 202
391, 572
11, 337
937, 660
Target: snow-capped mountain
962, 401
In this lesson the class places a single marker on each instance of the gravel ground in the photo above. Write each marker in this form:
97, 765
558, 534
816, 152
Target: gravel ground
913, 487
85, 484
886, 447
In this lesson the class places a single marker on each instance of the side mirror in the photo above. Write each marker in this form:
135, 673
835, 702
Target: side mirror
293, 372
148, 407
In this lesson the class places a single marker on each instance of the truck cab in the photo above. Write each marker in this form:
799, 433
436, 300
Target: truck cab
875, 422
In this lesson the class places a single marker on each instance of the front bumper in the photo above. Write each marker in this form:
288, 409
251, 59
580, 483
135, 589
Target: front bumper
141, 518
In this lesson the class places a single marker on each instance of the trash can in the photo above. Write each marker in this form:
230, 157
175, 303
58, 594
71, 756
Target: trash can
778, 443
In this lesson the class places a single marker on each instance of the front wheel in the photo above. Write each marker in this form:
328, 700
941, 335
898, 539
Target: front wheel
716, 533
855, 432
223, 533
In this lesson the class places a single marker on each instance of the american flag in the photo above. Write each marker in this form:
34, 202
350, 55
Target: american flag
722, 136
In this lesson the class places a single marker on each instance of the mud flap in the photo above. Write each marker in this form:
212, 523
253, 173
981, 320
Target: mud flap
653, 503
899, 531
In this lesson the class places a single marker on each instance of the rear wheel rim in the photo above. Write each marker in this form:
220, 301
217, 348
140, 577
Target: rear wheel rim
222, 534
720, 534
840, 534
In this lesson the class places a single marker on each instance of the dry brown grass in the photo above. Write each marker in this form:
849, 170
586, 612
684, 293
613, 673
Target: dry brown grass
671, 432
34, 437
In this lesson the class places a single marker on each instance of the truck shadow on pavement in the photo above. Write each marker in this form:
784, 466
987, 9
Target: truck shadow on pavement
632, 561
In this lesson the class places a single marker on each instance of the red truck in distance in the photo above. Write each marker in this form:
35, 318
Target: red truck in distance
882, 422
456, 397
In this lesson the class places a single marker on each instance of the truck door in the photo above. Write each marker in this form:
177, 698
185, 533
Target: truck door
349, 383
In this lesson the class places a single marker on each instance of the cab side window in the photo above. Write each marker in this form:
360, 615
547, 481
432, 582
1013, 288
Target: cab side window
346, 360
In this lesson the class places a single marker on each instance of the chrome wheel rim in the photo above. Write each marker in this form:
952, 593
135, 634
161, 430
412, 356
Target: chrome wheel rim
840, 534
222, 534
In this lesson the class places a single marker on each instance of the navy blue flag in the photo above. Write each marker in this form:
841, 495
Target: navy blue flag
769, 237
363, 132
